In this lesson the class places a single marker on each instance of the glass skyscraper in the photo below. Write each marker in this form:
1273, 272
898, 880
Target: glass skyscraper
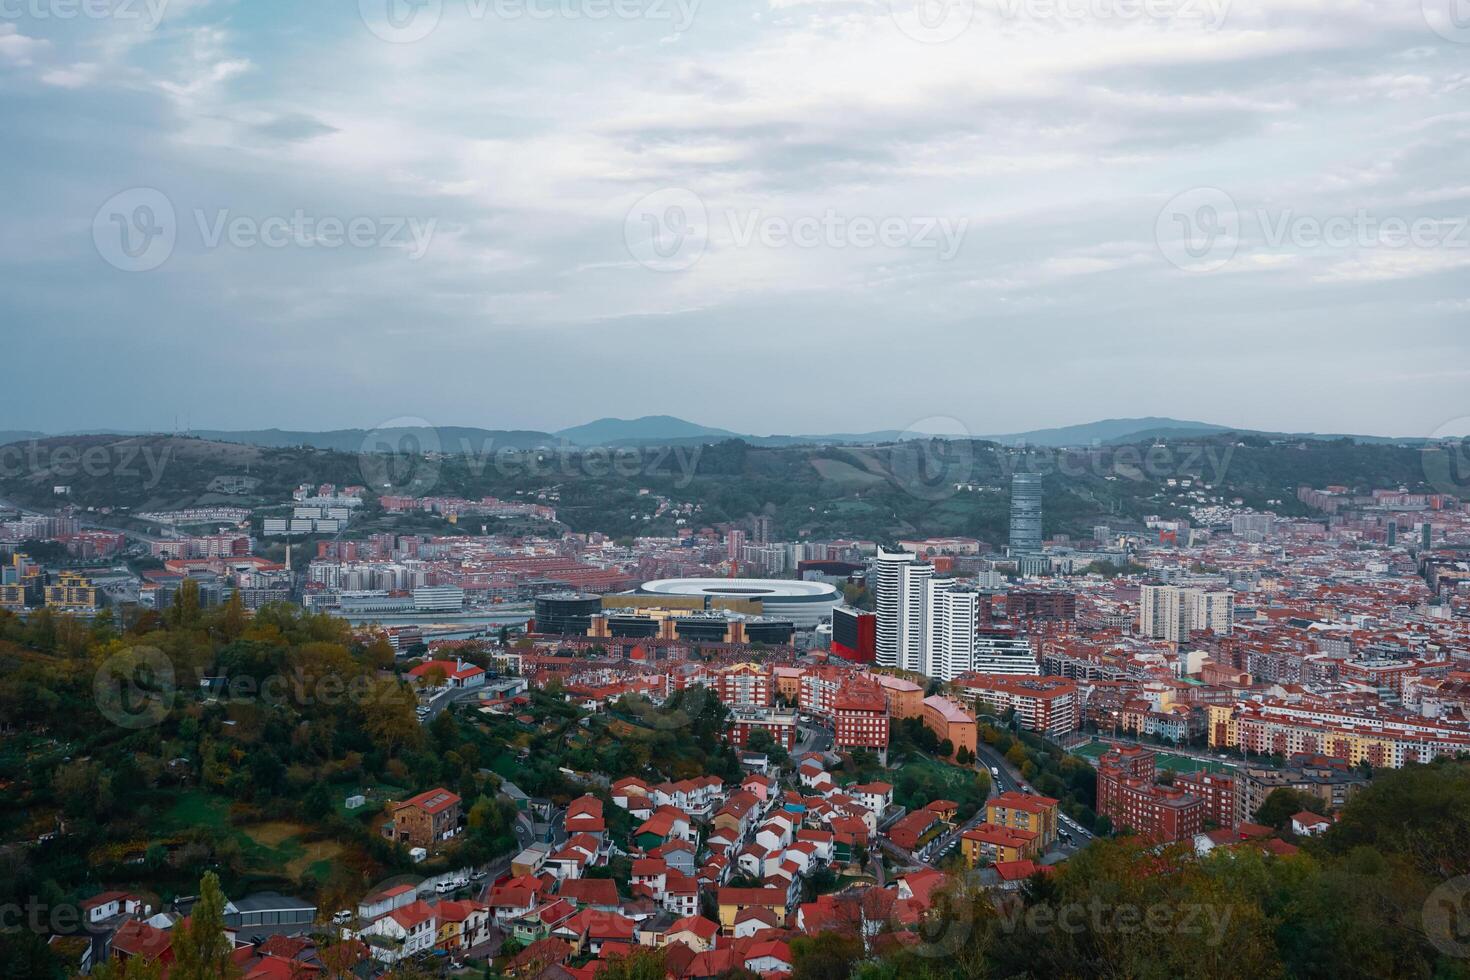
1025, 513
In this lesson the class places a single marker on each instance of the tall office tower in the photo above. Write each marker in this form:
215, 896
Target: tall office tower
1393, 533
949, 642
898, 599
762, 527
735, 542
1025, 513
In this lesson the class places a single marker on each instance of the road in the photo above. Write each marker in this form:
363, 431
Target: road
1010, 781
446, 698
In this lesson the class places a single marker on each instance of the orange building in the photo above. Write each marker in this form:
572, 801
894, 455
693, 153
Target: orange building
949, 721
905, 698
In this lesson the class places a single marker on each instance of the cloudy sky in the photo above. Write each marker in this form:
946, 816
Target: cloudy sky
767, 215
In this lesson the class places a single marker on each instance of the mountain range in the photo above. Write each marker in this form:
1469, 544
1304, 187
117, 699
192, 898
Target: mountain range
668, 430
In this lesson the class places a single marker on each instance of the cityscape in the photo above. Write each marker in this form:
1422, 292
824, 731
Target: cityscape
758, 490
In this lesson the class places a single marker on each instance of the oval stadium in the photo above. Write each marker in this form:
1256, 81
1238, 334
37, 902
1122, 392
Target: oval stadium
805, 604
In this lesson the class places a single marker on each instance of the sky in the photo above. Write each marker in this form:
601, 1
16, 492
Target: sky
764, 215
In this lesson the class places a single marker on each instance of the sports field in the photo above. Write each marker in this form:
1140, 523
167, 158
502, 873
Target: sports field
1164, 760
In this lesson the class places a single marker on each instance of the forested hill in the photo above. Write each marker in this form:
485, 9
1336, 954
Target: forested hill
914, 487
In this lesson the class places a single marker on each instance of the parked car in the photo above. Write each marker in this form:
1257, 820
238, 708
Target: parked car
343, 917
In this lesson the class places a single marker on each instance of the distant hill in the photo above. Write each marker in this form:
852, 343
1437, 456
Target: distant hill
8, 436
445, 438
642, 431
1107, 432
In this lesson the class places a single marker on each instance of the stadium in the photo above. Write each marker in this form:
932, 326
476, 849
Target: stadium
805, 604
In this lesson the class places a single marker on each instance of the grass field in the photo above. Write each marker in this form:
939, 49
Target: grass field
1164, 760
272, 847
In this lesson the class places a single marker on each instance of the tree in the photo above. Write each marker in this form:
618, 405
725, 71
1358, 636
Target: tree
1277, 809
641, 964
828, 956
201, 948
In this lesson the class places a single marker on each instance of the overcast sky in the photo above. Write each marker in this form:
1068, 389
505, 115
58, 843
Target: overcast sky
766, 215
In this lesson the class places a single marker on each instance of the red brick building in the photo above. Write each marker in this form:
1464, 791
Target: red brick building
861, 715
1218, 792
1128, 796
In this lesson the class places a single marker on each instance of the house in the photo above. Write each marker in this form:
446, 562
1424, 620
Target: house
696, 932
138, 939
511, 902
754, 920
733, 901
590, 931
877, 797
1309, 824
667, 823
425, 820
584, 816
913, 829
681, 894
381, 903
108, 905
403, 933
461, 924
456, 673
541, 954
650, 874
593, 893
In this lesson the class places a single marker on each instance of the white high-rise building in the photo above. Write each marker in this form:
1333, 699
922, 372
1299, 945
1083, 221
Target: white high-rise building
1005, 655
891, 603
1168, 612
949, 647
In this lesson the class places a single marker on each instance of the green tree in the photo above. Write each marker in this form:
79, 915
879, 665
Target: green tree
201, 948
1278, 807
